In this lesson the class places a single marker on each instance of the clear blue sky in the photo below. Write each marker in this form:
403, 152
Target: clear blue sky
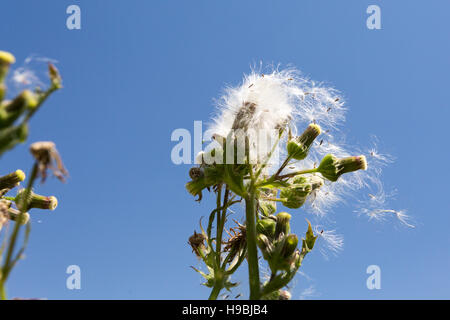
137, 70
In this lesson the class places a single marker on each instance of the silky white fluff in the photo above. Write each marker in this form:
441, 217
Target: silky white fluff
280, 96
29, 75
288, 96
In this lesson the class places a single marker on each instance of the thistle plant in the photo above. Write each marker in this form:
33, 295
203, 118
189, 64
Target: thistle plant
260, 160
15, 115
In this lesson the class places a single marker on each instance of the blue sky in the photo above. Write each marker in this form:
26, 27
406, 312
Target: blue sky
137, 70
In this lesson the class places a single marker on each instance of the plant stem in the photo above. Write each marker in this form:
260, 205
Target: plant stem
221, 224
218, 229
252, 255
293, 174
6, 269
215, 293
3, 295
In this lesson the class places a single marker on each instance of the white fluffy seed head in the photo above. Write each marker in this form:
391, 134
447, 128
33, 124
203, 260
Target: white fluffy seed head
288, 98
280, 97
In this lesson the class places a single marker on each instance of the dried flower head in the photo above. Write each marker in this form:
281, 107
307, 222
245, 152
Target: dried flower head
196, 241
48, 157
237, 240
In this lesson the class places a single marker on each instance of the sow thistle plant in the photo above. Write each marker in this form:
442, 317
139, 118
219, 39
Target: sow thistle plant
14, 118
256, 122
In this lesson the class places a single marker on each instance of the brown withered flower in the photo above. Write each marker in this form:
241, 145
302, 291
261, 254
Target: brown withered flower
48, 157
196, 241
236, 242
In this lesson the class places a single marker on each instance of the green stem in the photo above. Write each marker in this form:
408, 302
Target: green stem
6, 269
215, 293
221, 225
41, 101
218, 229
296, 173
252, 256
3, 295
269, 155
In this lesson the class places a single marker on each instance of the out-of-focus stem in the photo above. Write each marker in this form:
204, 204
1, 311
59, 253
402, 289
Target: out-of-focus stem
13, 239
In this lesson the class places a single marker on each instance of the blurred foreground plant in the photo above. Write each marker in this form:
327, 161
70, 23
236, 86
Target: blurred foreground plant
14, 117
239, 168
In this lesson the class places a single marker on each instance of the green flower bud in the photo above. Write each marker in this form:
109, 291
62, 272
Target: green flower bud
290, 245
266, 227
267, 207
55, 77
295, 196
12, 110
6, 59
35, 201
265, 246
309, 241
282, 225
15, 215
332, 167
12, 136
298, 147
12, 180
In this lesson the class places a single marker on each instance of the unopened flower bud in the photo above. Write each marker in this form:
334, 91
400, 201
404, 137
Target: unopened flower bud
284, 295
310, 239
12, 136
35, 201
295, 196
282, 225
298, 147
26, 99
10, 111
290, 245
54, 75
332, 167
12, 180
267, 207
17, 216
6, 59
265, 246
266, 227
